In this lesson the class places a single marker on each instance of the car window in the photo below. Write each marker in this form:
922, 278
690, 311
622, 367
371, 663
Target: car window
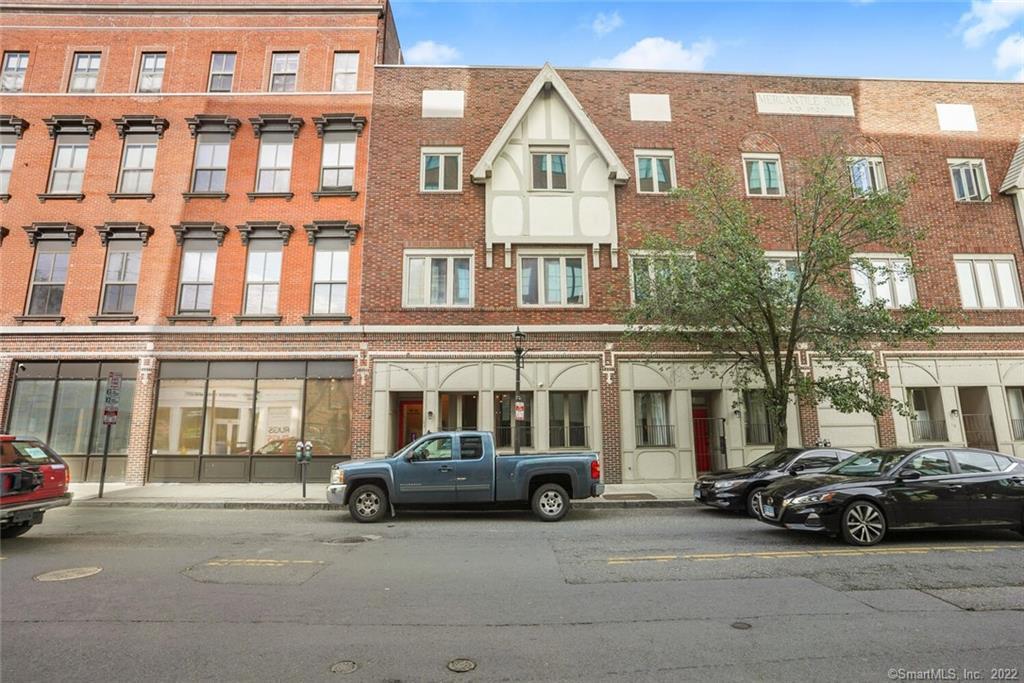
932, 463
471, 447
972, 462
16, 453
1003, 462
818, 459
870, 463
435, 449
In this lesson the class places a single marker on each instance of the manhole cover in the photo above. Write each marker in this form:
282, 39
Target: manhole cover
344, 667
461, 666
741, 625
68, 574
351, 540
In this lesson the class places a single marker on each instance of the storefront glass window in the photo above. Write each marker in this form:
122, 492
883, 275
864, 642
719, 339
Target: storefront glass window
30, 412
228, 417
122, 428
179, 417
278, 416
328, 409
72, 416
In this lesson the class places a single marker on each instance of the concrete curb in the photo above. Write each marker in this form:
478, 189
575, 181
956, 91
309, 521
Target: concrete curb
313, 505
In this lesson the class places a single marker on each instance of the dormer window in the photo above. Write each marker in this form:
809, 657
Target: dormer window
549, 170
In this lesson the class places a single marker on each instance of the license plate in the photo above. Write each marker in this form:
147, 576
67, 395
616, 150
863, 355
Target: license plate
696, 493
769, 510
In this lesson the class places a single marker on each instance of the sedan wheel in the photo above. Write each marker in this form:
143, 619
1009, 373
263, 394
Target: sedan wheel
754, 502
863, 524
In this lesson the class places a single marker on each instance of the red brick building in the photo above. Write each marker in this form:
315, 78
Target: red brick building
276, 241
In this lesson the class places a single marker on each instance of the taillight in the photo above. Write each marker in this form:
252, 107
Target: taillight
595, 469
67, 476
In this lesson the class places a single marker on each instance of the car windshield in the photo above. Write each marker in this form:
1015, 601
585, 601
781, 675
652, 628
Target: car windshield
21, 453
774, 459
871, 463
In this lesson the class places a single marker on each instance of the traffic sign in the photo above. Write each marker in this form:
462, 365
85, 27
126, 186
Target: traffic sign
112, 399
520, 411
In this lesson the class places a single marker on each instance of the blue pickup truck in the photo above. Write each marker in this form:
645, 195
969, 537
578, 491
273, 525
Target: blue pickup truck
461, 469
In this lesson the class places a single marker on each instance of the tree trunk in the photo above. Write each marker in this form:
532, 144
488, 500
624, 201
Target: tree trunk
781, 426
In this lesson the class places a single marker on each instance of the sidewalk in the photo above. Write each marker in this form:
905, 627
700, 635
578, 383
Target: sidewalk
289, 496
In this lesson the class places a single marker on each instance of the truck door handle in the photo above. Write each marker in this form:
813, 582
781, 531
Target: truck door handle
444, 468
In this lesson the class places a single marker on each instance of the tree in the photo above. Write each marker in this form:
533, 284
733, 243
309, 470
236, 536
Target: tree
712, 287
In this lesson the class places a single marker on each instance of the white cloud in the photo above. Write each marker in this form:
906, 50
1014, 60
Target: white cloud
661, 53
429, 52
987, 17
1010, 55
606, 23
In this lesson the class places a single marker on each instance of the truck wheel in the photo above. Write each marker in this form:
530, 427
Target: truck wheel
368, 503
550, 502
15, 530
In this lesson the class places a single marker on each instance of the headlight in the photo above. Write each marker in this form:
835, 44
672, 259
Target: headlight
727, 483
337, 476
811, 499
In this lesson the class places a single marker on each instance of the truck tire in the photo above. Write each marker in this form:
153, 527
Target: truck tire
368, 503
550, 502
15, 530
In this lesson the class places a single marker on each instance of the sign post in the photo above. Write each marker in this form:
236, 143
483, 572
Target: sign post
111, 405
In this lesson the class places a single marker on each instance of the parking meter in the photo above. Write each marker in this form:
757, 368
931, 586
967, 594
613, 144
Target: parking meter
304, 455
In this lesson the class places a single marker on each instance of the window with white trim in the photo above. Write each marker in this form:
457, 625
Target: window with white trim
647, 269
15, 67
441, 169
211, 166
346, 72
884, 278
330, 276
8, 144
262, 277
137, 164
121, 276
69, 156
438, 280
867, 175
275, 169
988, 281
339, 161
46, 291
198, 266
151, 71
222, 71
970, 180
783, 264
550, 170
85, 72
284, 71
552, 280
762, 174
655, 171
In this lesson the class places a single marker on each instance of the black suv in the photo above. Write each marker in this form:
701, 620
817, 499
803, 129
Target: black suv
736, 488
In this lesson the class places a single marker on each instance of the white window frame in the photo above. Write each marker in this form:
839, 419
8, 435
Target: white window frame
779, 258
118, 247
273, 72
635, 254
777, 158
8, 150
550, 151
441, 152
56, 248
214, 72
204, 138
87, 73
335, 72
151, 73
890, 259
342, 138
429, 254
14, 74
323, 246
654, 155
980, 177
260, 281
561, 254
144, 141
204, 248
80, 140
877, 166
992, 259
277, 140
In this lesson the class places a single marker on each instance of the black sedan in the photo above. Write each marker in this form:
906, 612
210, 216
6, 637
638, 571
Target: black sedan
886, 489
736, 489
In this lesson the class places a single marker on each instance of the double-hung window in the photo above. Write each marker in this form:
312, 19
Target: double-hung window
46, 291
552, 280
85, 72
222, 71
211, 167
568, 419
887, 279
330, 276
15, 66
653, 424
339, 161
284, 71
121, 276
275, 170
550, 169
346, 71
759, 429
198, 266
137, 164
783, 265
69, 156
649, 271
970, 180
763, 175
441, 169
7, 147
655, 171
263, 277
151, 71
443, 280
867, 175
988, 281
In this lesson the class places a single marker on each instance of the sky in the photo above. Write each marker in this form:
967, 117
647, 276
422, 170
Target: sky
972, 40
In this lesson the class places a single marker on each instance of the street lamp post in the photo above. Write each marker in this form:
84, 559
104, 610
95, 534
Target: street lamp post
518, 409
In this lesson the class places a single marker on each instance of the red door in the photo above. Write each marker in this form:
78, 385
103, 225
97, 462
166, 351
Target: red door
702, 439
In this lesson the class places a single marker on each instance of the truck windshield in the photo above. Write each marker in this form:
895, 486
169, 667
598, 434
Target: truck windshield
19, 453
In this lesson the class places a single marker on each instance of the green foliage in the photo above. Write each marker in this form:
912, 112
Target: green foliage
713, 287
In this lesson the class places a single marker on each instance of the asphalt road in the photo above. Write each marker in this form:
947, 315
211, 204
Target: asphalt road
621, 595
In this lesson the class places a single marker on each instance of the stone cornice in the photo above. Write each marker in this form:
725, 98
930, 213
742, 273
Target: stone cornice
71, 123
12, 124
276, 123
140, 123
318, 229
329, 123
263, 229
184, 230
117, 230
52, 231
213, 123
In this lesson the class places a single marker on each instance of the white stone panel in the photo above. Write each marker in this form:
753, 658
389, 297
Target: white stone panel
657, 465
507, 216
535, 123
649, 107
550, 215
803, 104
443, 104
592, 170
956, 117
507, 170
595, 217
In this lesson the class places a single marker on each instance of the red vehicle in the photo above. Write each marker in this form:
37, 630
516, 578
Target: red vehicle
34, 480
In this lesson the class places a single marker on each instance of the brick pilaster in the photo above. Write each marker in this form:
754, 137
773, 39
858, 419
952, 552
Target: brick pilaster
6, 388
362, 399
611, 443
143, 410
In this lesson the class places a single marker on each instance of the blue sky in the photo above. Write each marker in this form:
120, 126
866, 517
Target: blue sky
983, 39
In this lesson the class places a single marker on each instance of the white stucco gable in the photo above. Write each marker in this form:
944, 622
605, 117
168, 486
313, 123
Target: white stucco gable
550, 120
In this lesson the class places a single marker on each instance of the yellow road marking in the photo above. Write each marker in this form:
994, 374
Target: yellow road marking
837, 552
